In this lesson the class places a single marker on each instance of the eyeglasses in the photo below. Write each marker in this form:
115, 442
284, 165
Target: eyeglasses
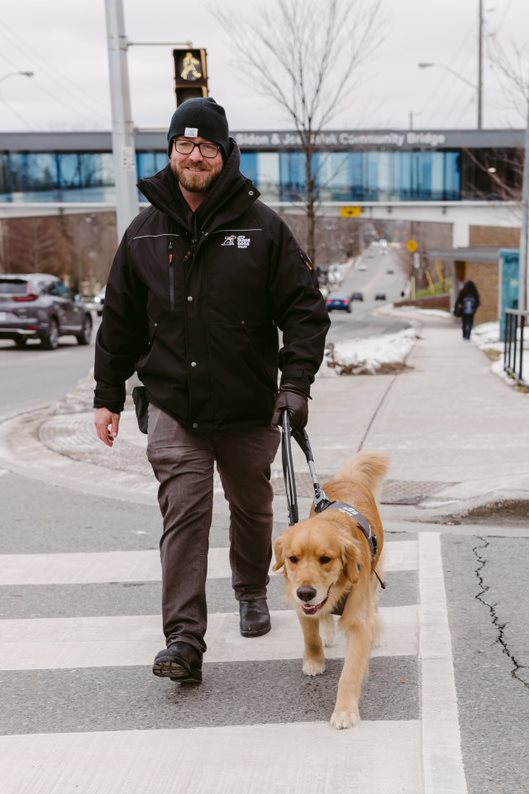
208, 150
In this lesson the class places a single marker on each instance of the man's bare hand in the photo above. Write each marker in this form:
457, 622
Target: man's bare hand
107, 425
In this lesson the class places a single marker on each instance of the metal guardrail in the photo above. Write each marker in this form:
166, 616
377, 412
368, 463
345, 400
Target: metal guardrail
515, 323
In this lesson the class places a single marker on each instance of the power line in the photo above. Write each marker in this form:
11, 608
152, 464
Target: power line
442, 81
41, 63
16, 113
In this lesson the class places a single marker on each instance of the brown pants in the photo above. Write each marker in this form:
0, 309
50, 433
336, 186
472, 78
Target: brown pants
183, 465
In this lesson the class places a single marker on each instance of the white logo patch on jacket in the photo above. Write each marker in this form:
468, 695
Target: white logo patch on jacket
239, 239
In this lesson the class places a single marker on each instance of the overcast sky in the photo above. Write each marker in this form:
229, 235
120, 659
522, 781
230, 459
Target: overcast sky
64, 43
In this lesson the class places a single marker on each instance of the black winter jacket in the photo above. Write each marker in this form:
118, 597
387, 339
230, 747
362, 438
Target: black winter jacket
194, 301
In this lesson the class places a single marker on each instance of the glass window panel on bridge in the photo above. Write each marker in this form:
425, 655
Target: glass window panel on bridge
373, 175
292, 180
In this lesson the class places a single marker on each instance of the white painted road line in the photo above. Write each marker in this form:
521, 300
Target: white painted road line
373, 757
53, 643
441, 738
141, 566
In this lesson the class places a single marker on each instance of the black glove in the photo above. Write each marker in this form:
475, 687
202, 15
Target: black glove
296, 403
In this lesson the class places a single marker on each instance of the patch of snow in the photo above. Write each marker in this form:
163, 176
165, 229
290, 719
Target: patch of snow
367, 356
487, 337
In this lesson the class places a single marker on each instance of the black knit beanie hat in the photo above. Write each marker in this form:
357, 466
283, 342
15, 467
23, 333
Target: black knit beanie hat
200, 118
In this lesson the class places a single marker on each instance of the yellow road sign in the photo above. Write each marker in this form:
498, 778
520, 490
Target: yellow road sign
350, 212
412, 246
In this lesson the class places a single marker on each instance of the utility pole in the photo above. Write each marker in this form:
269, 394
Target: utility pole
523, 277
480, 66
123, 147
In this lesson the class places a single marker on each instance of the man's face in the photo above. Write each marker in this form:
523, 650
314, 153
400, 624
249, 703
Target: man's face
194, 172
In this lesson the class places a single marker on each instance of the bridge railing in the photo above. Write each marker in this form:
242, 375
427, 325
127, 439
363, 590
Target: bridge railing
516, 322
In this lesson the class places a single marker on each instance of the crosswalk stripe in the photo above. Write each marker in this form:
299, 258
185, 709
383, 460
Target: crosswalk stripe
380, 757
52, 643
144, 566
441, 744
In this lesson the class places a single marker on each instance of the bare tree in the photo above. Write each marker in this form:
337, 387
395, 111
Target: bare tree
499, 174
305, 55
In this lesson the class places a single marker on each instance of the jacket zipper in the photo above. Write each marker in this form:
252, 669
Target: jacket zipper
171, 276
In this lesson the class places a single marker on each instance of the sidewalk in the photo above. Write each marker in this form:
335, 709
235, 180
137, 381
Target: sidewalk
456, 434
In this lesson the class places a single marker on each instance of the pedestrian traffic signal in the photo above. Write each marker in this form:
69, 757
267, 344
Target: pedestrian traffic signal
191, 74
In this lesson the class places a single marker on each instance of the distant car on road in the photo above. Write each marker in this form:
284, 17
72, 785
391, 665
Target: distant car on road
357, 296
390, 271
362, 266
40, 306
380, 296
341, 301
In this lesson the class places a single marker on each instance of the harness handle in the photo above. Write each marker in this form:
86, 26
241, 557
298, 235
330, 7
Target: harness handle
321, 501
288, 470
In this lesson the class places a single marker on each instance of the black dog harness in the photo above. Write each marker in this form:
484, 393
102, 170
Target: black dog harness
321, 501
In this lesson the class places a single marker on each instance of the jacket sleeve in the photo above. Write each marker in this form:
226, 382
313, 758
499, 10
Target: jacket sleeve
299, 311
122, 333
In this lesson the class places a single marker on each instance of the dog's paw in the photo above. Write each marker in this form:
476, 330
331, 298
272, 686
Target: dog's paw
345, 719
313, 666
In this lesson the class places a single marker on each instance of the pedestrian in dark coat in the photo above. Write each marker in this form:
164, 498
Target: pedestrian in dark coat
466, 306
201, 283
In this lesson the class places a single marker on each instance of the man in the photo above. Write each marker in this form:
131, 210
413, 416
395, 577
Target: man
200, 284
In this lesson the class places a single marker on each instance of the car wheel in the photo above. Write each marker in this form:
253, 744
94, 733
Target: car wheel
348, 310
86, 334
50, 340
21, 341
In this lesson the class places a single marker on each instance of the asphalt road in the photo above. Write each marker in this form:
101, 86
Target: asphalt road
369, 276
32, 377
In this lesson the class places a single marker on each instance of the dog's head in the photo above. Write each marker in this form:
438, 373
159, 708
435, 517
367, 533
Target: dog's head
321, 562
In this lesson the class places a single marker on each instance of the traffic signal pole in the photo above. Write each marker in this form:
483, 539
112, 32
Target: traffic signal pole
123, 146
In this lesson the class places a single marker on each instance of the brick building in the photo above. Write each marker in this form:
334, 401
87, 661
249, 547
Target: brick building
480, 263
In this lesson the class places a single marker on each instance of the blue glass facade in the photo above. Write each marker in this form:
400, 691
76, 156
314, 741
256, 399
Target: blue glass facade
341, 176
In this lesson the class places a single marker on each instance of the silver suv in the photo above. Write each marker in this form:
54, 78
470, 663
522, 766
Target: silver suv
40, 306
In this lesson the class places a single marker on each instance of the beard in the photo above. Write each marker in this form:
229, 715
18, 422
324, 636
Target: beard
197, 178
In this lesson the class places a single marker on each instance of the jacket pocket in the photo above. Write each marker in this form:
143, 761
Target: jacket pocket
262, 347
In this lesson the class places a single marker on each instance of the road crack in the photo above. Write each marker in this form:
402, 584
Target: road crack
500, 627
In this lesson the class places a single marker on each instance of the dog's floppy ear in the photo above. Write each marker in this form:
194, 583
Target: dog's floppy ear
279, 551
351, 559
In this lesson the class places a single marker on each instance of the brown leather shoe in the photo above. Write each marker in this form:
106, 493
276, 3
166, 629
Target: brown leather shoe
179, 662
255, 617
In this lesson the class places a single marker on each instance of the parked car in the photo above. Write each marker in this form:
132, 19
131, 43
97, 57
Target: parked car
357, 296
99, 301
380, 296
40, 306
341, 301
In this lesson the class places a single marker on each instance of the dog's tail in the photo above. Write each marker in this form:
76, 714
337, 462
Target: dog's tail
367, 468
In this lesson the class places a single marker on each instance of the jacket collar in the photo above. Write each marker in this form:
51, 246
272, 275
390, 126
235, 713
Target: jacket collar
230, 196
